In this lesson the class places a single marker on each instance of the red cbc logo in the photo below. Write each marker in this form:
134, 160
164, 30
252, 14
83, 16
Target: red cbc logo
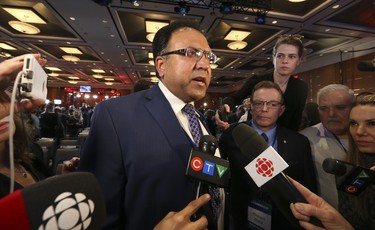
264, 167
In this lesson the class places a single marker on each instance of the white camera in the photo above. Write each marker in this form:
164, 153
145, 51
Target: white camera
33, 80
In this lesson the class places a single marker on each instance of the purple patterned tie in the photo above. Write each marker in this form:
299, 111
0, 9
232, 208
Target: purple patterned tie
194, 126
196, 132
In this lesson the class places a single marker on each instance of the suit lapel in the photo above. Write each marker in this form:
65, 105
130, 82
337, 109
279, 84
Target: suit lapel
162, 112
281, 141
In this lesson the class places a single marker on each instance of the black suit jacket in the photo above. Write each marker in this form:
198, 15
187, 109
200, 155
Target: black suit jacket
293, 147
294, 99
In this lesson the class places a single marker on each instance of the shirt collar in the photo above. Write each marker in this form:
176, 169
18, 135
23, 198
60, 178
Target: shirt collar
271, 134
176, 103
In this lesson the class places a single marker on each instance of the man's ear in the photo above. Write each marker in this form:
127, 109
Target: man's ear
282, 109
159, 65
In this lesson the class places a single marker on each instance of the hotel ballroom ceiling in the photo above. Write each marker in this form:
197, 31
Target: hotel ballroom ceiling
112, 37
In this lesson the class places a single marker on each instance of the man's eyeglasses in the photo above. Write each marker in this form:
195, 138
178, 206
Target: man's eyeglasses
194, 53
269, 104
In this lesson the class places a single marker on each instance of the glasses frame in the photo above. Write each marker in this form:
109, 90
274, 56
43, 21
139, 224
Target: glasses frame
197, 52
257, 104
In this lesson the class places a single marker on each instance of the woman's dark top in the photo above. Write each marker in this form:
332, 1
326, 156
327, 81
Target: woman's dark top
5, 180
294, 99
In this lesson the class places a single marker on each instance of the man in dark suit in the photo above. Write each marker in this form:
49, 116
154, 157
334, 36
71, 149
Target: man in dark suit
247, 200
138, 146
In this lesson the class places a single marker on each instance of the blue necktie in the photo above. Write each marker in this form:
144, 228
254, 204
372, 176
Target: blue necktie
265, 137
196, 132
194, 126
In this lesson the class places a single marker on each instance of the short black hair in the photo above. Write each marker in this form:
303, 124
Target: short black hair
163, 36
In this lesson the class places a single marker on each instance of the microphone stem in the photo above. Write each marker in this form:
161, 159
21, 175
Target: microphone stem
198, 190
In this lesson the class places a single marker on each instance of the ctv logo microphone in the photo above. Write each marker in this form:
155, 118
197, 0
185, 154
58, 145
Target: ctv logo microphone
356, 181
207, 168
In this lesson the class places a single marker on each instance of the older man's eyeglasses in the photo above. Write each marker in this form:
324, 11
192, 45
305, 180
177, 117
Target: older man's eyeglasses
194, 53
269, 104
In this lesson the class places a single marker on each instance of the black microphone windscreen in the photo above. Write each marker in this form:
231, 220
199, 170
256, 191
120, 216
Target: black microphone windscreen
208, 144
69, 201
249, 141
334, 166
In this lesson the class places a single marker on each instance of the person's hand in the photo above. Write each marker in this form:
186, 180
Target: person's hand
219, 122
181, 220
8, 72
319, 208
70, 165
10, 67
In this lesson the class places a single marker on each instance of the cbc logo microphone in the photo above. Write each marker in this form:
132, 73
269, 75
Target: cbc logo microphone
69, 211
264, 167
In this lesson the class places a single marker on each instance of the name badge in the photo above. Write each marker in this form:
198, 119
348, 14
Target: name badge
259, 214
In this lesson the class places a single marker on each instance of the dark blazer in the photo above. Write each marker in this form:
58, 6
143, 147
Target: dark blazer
293, 147
294, 99
139, 152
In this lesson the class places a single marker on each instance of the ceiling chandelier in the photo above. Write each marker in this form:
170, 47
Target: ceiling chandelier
237, 45
70, 58
24, 27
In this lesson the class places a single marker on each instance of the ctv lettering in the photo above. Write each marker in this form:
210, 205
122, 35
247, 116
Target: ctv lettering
209, 168
351, 189
358, 182
196, 164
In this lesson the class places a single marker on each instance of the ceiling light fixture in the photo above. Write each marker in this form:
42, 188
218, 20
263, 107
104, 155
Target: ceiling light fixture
24, 27
296, 0
237, 35
73, 82
98, 76
237, 45
214, 65
70, 50
5, 46
97, 70
25, 15
70, 58
150, 37
182, 9
108, 83
53, 74
5, 55
152, 27
135, 3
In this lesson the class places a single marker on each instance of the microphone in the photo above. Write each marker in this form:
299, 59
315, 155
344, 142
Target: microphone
350, 178
265, 166
205, 167
69, 201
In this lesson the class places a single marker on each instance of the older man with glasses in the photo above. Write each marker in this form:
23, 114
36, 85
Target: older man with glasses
247, 200
329, 139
